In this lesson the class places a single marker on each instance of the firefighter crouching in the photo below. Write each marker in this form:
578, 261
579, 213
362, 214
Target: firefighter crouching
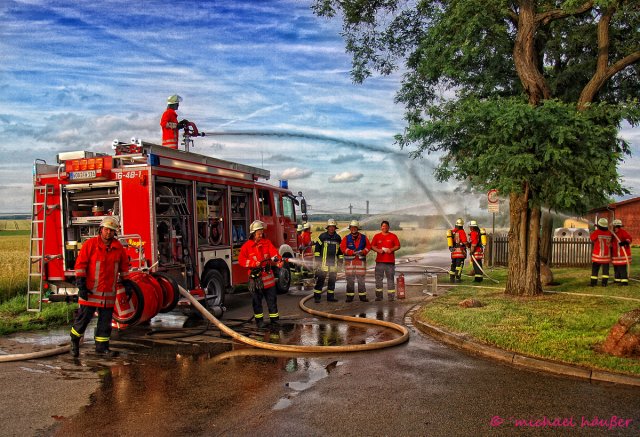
601, 252
99, 262
257, 254
328, 258
621, 253
355, 247
457, 242
477, 241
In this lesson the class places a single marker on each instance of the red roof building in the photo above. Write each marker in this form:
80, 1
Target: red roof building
627, 210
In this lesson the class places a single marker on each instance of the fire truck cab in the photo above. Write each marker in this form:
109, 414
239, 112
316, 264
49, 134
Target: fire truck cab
181, 213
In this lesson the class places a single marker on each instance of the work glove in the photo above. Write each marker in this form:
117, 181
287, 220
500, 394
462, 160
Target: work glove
256, 272
275, 259
83, 291
182, 123
624, 243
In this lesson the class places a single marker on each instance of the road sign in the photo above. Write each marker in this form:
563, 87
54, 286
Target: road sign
494, 201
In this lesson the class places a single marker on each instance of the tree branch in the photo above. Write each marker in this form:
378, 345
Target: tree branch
557, 14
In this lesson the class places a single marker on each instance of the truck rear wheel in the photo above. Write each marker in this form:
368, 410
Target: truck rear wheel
214, 288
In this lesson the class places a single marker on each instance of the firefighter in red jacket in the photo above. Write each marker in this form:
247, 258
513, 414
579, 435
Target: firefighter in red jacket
307, 247
169, 122
99, 262
621, 253
257, 254
601, 252
457, 242
355, 247
476, 249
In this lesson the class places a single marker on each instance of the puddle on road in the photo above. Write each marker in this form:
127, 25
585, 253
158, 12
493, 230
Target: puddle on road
314, 369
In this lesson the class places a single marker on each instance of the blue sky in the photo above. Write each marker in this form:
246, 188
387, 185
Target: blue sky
77, 74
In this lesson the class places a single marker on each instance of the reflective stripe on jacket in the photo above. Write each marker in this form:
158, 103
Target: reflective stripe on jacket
621, 255
459, 250
601, 252
355, 264
327, 251
100, 265
477, 249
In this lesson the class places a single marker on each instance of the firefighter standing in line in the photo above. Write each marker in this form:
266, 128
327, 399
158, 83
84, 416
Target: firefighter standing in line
457, 242
307, 247
385, 244
169, 122
256, 254
476, 249
601, 253
355, 247
99, 262
621, 253
328, 258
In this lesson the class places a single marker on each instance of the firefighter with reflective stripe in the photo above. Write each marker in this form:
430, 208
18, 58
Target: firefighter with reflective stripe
457, 242
328, 258
476, 249
355, 247
385, 244
257, 254
169, 122
601, 252
307, 246
621, 253
100, 261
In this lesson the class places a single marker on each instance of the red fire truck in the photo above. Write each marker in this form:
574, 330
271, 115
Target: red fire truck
182, 214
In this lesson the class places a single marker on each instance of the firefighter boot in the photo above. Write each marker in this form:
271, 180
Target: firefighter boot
331, 297
260, 323
594, 282
102, 348
363, 298
275, 324
452, 278
317, 295
349, 299
379, 295
605, 281
75, 346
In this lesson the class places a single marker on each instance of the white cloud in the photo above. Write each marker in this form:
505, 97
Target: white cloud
345, 177
296, 173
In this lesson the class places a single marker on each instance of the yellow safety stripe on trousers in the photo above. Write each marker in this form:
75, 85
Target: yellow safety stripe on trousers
594, 277
101, 339
391, 291
330, 291
258, 316
274, 315
317, 291
75, 333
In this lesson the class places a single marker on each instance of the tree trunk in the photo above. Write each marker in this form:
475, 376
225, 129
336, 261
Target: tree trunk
524, 242
546, 238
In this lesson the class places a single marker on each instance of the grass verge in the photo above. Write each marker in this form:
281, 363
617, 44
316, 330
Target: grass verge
558, 326
15, 318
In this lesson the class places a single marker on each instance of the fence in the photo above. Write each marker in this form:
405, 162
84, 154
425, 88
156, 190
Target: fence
565, 252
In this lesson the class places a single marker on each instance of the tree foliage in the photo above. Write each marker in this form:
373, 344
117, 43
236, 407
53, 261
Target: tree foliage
525, 96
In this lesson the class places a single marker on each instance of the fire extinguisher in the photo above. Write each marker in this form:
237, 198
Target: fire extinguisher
400, 286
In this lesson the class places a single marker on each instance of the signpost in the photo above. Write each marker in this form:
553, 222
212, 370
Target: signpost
494, 206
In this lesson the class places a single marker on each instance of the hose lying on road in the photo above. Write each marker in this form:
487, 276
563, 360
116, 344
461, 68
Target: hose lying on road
32, 355
306, 348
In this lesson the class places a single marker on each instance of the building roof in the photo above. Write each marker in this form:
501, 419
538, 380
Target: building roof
615, 205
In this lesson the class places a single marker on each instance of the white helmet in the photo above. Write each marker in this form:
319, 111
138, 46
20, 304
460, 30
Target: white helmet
459, 222
603, 222
331, 222
110, 222
473, 224
171, 100
355, 223
307, 226
300, 228
255, 226
617, 222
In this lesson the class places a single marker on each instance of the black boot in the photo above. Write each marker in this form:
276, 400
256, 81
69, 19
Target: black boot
317, 297
594, 282
379, 296
363, 298
452, 278
260, 323
605, 282
102, 348
75, 346
349, 299
331, 297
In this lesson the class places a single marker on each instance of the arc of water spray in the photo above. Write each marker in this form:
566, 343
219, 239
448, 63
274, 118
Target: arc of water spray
400, 158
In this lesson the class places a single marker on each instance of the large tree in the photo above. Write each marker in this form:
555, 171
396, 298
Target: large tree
526, 96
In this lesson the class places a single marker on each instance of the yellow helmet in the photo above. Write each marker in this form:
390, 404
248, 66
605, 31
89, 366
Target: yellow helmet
172, 100
603, 222
355, 223
473, 224
110, 222
459, 222
300, 228
617, 222
331, 222
306, 226
255, 226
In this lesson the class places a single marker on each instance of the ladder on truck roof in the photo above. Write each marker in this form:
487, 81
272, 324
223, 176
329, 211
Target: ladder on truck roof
37, 257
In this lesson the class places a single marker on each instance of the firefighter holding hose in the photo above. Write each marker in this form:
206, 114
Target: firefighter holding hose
100, 261
169, 122
601, 251
477, 241
621, 253
257, 254
457, 242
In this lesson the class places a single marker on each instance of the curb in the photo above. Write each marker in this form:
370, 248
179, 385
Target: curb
466, 343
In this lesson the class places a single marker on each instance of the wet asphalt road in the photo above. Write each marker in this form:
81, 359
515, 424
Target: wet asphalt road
204, 385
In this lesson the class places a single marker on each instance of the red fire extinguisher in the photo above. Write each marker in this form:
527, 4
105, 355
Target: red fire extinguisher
400, 286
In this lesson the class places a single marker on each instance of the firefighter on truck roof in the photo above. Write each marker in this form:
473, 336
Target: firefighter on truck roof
169, 122
99, 262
